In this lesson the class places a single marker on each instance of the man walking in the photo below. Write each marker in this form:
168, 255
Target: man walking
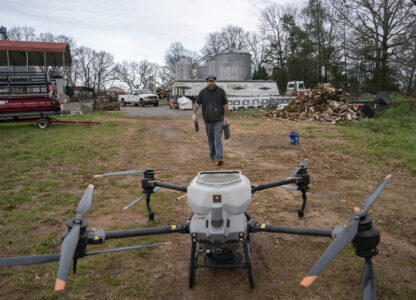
215, 112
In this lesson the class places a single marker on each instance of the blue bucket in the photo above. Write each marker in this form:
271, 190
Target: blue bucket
294, 137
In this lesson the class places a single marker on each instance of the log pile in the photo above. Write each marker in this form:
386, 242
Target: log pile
322, 103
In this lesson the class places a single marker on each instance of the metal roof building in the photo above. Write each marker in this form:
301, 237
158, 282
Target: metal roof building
18, 53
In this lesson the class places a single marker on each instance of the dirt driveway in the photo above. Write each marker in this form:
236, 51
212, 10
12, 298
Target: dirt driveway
151, 111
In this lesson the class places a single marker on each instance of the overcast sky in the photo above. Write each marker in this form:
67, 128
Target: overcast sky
133, 30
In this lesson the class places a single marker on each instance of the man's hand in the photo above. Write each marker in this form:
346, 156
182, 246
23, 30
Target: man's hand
195, 109
226, 114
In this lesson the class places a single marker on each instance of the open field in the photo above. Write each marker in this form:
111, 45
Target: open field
45, 172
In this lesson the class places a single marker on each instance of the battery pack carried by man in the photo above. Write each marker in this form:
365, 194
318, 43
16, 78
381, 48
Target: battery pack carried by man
215, 113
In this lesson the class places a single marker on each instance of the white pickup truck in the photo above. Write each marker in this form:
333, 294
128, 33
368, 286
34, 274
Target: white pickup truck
139, 98
294, 88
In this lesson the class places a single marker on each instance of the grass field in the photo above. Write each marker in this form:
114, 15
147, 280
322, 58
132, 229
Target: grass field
43, 174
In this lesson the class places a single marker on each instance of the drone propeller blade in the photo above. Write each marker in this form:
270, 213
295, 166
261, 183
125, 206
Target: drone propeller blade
127, 248
368, 281
302, 165
327, 196
374, 195
86, 201
341, 241
29, 260
295, 188
71, 239
67, 253
133, 202
180, 197
289, 187
131, 172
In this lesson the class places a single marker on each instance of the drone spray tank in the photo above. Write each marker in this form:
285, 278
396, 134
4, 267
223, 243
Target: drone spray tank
219, 200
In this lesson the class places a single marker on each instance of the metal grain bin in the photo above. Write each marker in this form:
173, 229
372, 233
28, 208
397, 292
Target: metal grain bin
183, 70
233, 65
211, 67
201, 72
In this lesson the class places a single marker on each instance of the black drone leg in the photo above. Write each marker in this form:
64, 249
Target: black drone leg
193, 263
149, 209
302, 206
74, 266
247, 249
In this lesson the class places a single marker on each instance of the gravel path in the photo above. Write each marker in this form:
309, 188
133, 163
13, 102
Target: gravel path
151, 111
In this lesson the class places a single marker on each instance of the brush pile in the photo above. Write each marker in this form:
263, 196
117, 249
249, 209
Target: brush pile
322, 103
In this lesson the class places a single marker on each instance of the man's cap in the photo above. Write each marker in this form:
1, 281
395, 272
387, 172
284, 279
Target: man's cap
211, 77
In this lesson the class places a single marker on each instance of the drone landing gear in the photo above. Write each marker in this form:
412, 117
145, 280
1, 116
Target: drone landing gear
229, 259
149, 209
194, 263
302, 206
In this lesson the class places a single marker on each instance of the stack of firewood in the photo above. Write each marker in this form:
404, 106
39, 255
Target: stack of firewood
322, 103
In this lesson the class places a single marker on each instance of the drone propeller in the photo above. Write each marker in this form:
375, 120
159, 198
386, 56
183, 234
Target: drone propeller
368, 280
130, 172
71, 240
302, 165
295, 188
48, 258
155, 190
29, 260
342, 240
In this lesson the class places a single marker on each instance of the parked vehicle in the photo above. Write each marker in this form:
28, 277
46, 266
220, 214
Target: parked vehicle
294, 88
139, 98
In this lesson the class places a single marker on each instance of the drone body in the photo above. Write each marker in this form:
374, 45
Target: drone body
219, 201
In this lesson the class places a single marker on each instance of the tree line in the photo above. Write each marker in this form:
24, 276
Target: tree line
357, 45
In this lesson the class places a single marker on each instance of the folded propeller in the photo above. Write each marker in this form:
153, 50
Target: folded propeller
70, 245
364, 237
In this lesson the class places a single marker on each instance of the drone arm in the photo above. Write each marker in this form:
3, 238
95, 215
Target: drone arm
257, 227
170, 186
255, 188
179, 228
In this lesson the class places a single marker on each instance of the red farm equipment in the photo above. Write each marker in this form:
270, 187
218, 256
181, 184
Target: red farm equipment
29, 97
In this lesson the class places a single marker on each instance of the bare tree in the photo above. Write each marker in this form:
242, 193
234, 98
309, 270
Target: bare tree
84, 66
147, 72
379, 27
177, 51
21, 33
230, 37
136, 74
103, 68
257, 45
272, 27
164, 76
127, 73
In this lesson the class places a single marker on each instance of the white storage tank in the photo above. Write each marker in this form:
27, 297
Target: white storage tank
211, 67
201, 72
183, 69
233, 65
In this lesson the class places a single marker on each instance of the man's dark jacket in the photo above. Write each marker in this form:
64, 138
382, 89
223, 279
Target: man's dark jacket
212, 102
